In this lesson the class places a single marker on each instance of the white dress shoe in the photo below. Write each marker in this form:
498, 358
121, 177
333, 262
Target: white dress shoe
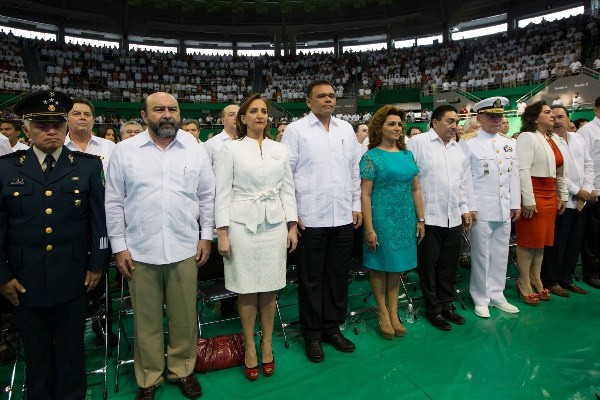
482, 311
506, 307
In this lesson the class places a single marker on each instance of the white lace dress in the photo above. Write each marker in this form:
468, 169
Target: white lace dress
255, 199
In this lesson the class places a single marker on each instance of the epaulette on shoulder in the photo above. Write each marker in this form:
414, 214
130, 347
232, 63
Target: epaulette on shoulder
469, 136
14, 154
82, 154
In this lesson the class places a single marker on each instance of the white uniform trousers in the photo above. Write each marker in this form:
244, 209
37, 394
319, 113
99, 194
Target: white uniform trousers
489, 260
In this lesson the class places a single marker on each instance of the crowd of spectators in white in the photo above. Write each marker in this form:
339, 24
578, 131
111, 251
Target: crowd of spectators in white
102, 73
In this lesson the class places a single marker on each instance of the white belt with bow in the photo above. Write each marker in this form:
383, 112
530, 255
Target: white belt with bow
259, 206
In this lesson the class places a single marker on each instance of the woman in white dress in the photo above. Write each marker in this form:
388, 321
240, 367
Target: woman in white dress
255, 213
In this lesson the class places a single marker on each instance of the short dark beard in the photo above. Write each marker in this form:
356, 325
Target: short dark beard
164, 131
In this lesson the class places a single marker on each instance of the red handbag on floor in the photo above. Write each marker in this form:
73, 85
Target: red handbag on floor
219, 352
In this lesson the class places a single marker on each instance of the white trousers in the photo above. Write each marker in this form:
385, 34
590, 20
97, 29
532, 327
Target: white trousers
489, 260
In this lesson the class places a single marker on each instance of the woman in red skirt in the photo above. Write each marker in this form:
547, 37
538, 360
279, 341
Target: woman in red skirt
543, 193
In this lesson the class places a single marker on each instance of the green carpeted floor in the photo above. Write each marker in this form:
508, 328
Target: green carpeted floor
550, 351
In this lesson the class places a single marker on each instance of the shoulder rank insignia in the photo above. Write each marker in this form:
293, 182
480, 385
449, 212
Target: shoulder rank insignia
71, 159
468, 136
19, 153
507, 148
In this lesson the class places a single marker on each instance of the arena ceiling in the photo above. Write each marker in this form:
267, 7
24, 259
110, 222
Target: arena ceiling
261, 20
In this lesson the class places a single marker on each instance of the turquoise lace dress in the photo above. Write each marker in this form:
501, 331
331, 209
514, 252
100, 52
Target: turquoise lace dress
394, 218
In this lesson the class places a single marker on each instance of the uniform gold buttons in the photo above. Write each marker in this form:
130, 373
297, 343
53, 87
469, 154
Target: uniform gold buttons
48, 193
76, 191
16, 194
500, 173
48, 211
49, 247
48, 230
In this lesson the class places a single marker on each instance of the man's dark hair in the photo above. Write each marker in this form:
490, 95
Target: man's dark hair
83, 100
561, 107
16, 124
439, 112
597, 102
319, 82
188, 121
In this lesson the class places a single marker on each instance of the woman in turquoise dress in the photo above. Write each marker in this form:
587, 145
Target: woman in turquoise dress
391, 207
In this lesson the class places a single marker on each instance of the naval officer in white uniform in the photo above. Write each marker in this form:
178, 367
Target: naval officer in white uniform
495, 200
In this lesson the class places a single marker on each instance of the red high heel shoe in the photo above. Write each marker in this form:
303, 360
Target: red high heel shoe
268, 369
544, 295
251, 373
531, 299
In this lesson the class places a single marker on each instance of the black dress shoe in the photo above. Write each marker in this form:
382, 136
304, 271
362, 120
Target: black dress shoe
189, 385
313, 349
450, 315
339, 342
593, 282
439, 322
146, 393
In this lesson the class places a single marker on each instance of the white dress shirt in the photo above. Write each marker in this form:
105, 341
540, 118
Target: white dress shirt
156, 200
326, 172
5, 145
97, 146
20, 146
581, 166
213, 146
254, 184
590, 133
443, 171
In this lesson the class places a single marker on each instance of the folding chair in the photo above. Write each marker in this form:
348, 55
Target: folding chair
9, 326
357, 271
97, 313
211, 287
291, 279
125, 309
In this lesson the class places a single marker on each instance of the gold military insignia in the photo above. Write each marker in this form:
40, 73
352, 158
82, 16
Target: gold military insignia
22, 159
51, 94
51, 107
71, 159
507, 148
77, 203
74, 178
498, 103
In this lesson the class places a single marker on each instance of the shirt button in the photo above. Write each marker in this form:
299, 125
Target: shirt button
497, 151
48, 230
48, 193
48, 211
500, 173
500, 162
49, 247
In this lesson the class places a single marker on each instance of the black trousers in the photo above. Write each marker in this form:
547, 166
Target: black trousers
52, 339
437, 260
560, 260
323, 263
590, 254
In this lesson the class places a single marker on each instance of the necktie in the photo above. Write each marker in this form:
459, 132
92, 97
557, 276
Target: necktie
49, 160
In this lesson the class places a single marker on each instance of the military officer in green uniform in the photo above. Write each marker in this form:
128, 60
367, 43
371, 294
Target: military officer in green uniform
53, 245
